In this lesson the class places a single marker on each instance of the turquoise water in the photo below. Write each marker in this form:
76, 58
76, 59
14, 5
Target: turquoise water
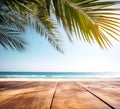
57, 74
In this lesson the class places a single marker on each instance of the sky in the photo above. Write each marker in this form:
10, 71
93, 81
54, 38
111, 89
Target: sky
78, 56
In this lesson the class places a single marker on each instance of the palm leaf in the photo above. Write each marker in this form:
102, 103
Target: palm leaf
11, 25
36, 15
91, 20
9, 38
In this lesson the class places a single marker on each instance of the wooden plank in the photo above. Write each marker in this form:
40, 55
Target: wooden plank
8, 85
43, 98
14, 95
30, 96
109, 91
16, 89
70, 95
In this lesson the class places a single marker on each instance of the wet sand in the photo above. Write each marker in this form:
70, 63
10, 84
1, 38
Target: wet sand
60, 94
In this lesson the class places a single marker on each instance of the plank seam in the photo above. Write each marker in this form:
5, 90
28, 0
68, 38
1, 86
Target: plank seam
53, 95
97, 96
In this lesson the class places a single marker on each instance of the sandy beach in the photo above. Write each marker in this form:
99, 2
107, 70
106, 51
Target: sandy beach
83, 93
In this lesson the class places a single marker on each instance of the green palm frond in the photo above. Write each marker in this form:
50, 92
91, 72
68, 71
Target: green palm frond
46, 29
10, 28
91, 20
36, 15
9, 38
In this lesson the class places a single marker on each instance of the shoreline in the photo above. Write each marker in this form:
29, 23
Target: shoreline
62, 79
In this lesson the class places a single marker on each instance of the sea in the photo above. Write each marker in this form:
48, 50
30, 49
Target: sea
62, 75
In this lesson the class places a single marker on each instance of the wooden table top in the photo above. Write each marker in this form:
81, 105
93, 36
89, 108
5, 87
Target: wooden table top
60, 95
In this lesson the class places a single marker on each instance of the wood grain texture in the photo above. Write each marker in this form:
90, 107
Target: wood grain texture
106, 90
60, 95
43, 98
35, 95
70, 95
